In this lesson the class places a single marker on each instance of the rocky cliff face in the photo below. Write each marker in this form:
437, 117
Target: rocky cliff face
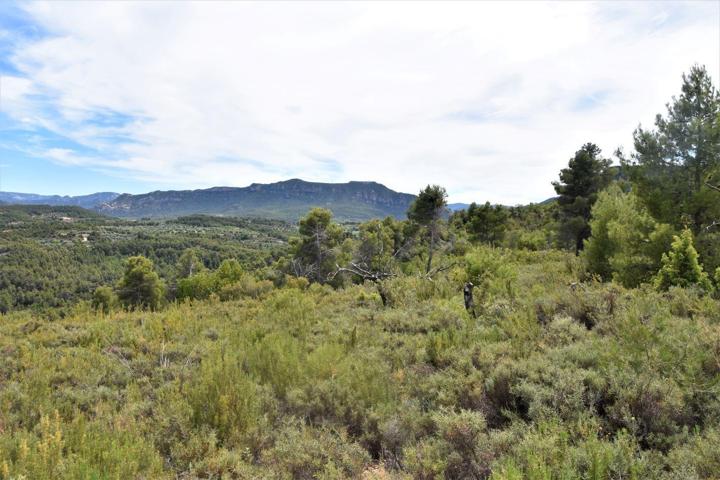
288, 200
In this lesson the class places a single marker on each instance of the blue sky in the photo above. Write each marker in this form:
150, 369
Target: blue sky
487, 99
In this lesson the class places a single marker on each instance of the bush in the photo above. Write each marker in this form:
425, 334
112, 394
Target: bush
492, 272
680, 266
104, 299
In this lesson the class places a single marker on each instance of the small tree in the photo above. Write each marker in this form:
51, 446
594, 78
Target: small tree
484, 223
315, 252
427, 211
140, 286
587, 174
626, 242
189, 263
104, 299
680, 266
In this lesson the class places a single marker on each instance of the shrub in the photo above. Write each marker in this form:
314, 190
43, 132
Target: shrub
680, 266
307, 454
223, 397
104, 299
491, 271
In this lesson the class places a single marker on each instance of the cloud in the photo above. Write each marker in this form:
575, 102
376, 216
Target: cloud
487, 99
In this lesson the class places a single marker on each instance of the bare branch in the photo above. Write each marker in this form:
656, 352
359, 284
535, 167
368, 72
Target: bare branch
437, 270
714, 187
361, 271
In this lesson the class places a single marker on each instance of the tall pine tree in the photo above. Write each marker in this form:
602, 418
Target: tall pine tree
586, 175
676, 167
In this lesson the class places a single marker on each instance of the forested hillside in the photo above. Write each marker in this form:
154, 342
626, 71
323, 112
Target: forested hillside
577, 338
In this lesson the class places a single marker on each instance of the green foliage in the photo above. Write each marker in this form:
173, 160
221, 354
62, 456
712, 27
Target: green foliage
484, 223
428, 206
492, 271
626, 243
53, 257
680, 266
316, 251
229, 282
189, 263
140, 286
105, 299
675, 163
586, 175
307, 381
426, 211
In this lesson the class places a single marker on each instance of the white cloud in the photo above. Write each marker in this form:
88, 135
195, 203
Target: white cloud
483, 98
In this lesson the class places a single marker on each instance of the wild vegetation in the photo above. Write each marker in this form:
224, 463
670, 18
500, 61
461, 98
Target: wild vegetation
226, 348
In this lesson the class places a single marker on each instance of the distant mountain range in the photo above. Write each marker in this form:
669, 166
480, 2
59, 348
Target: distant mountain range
85, 201
288, 200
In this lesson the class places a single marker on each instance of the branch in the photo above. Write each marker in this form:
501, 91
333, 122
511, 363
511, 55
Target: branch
362, 272
437, 270
714, 187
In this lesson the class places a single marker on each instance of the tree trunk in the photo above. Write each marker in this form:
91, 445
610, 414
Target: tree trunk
431, 250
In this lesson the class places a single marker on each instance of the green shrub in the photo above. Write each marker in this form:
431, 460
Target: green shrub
104, 299
680, 266
492, 272
223, 397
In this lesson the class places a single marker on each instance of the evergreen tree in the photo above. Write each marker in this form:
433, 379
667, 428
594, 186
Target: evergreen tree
427, 211
680, 266
484, 223
674, 165
140, 286
315, 252
626, 244
586, 175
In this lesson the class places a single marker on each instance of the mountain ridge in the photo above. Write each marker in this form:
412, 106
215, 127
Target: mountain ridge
86, 201
285, 200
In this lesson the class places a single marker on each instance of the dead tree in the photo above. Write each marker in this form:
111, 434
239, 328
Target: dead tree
468, 297
366, 273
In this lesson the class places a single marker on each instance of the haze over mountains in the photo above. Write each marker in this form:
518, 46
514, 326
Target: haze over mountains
286, 200
85, 201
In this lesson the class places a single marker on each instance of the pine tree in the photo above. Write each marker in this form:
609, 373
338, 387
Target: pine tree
427, 211
140, 286
316, 250
586, 175
674, 165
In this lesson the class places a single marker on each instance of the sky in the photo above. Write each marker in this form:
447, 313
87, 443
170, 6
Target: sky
489, 100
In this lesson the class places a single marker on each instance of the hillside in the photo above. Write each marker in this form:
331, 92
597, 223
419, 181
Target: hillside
287, 200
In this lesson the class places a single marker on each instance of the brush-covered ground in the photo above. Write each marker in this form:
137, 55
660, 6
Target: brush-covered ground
553, 380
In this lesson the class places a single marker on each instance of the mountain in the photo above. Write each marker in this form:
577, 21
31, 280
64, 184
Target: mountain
287, 200
85, 201
454, 207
